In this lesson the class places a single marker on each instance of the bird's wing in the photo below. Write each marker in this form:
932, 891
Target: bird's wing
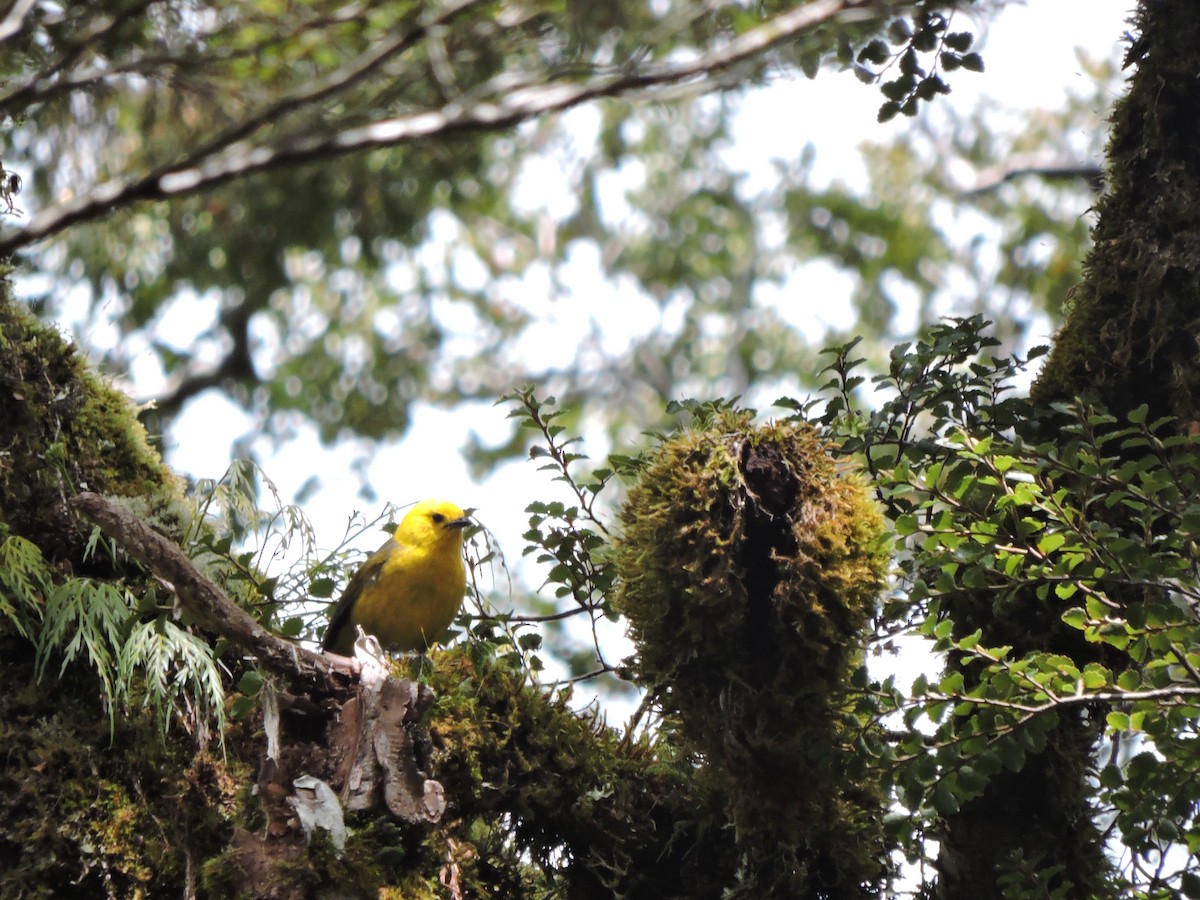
366, 574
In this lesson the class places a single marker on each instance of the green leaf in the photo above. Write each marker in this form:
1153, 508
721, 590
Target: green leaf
530, 641
292, 627
973, 62
1096, 677
322, 588
971, 779
899, 31
959, 40
242, 707
1050, 542
1075, 617
1129, 680
1118, 721
876, 52
250, 683
952, 683
945, 801
1065, 590
888, 111
1189, 884
1138, 415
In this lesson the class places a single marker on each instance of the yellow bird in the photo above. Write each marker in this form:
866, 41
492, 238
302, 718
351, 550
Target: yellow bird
410, 589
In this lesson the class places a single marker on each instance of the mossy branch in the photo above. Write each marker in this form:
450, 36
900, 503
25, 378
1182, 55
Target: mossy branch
211, 607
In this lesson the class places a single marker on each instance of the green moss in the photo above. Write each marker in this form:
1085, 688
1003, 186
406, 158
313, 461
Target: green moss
1131, 337
749, 566
88, 806
545, 798
66, 431
739, 540
1132, 330
86, 814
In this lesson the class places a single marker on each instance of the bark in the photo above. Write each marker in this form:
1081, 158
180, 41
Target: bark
1131, 338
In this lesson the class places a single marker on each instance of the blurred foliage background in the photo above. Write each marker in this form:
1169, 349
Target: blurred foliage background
338, 292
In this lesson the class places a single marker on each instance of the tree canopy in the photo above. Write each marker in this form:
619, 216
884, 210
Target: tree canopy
329, 195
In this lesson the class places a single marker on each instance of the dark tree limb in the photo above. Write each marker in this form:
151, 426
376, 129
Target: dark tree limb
993, 178
213, 610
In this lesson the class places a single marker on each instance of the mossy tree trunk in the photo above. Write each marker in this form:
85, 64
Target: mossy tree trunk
1131, 338
1132, 335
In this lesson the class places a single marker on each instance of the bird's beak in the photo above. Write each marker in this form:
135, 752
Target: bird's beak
459, 523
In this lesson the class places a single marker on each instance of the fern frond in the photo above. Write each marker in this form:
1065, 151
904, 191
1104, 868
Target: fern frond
179, 674
88, 617
24, 577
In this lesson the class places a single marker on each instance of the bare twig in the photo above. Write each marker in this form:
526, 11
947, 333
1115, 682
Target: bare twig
1175, 692
992, 178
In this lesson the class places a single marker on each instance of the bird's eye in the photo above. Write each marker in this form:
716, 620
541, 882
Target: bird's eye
438, 518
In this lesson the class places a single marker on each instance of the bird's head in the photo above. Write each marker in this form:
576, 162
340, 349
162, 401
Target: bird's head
431, 523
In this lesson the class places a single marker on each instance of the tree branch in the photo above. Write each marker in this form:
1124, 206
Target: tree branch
11, 25
1174, 692
236, 365
992, 178
512, 101
336, 82
213, 610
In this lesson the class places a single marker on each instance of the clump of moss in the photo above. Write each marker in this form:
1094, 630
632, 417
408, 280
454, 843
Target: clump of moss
89, 805
543, 799
85, 811
749, 566
65, 431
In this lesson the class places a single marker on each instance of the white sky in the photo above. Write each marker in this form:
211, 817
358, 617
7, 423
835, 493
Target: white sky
1031, 62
